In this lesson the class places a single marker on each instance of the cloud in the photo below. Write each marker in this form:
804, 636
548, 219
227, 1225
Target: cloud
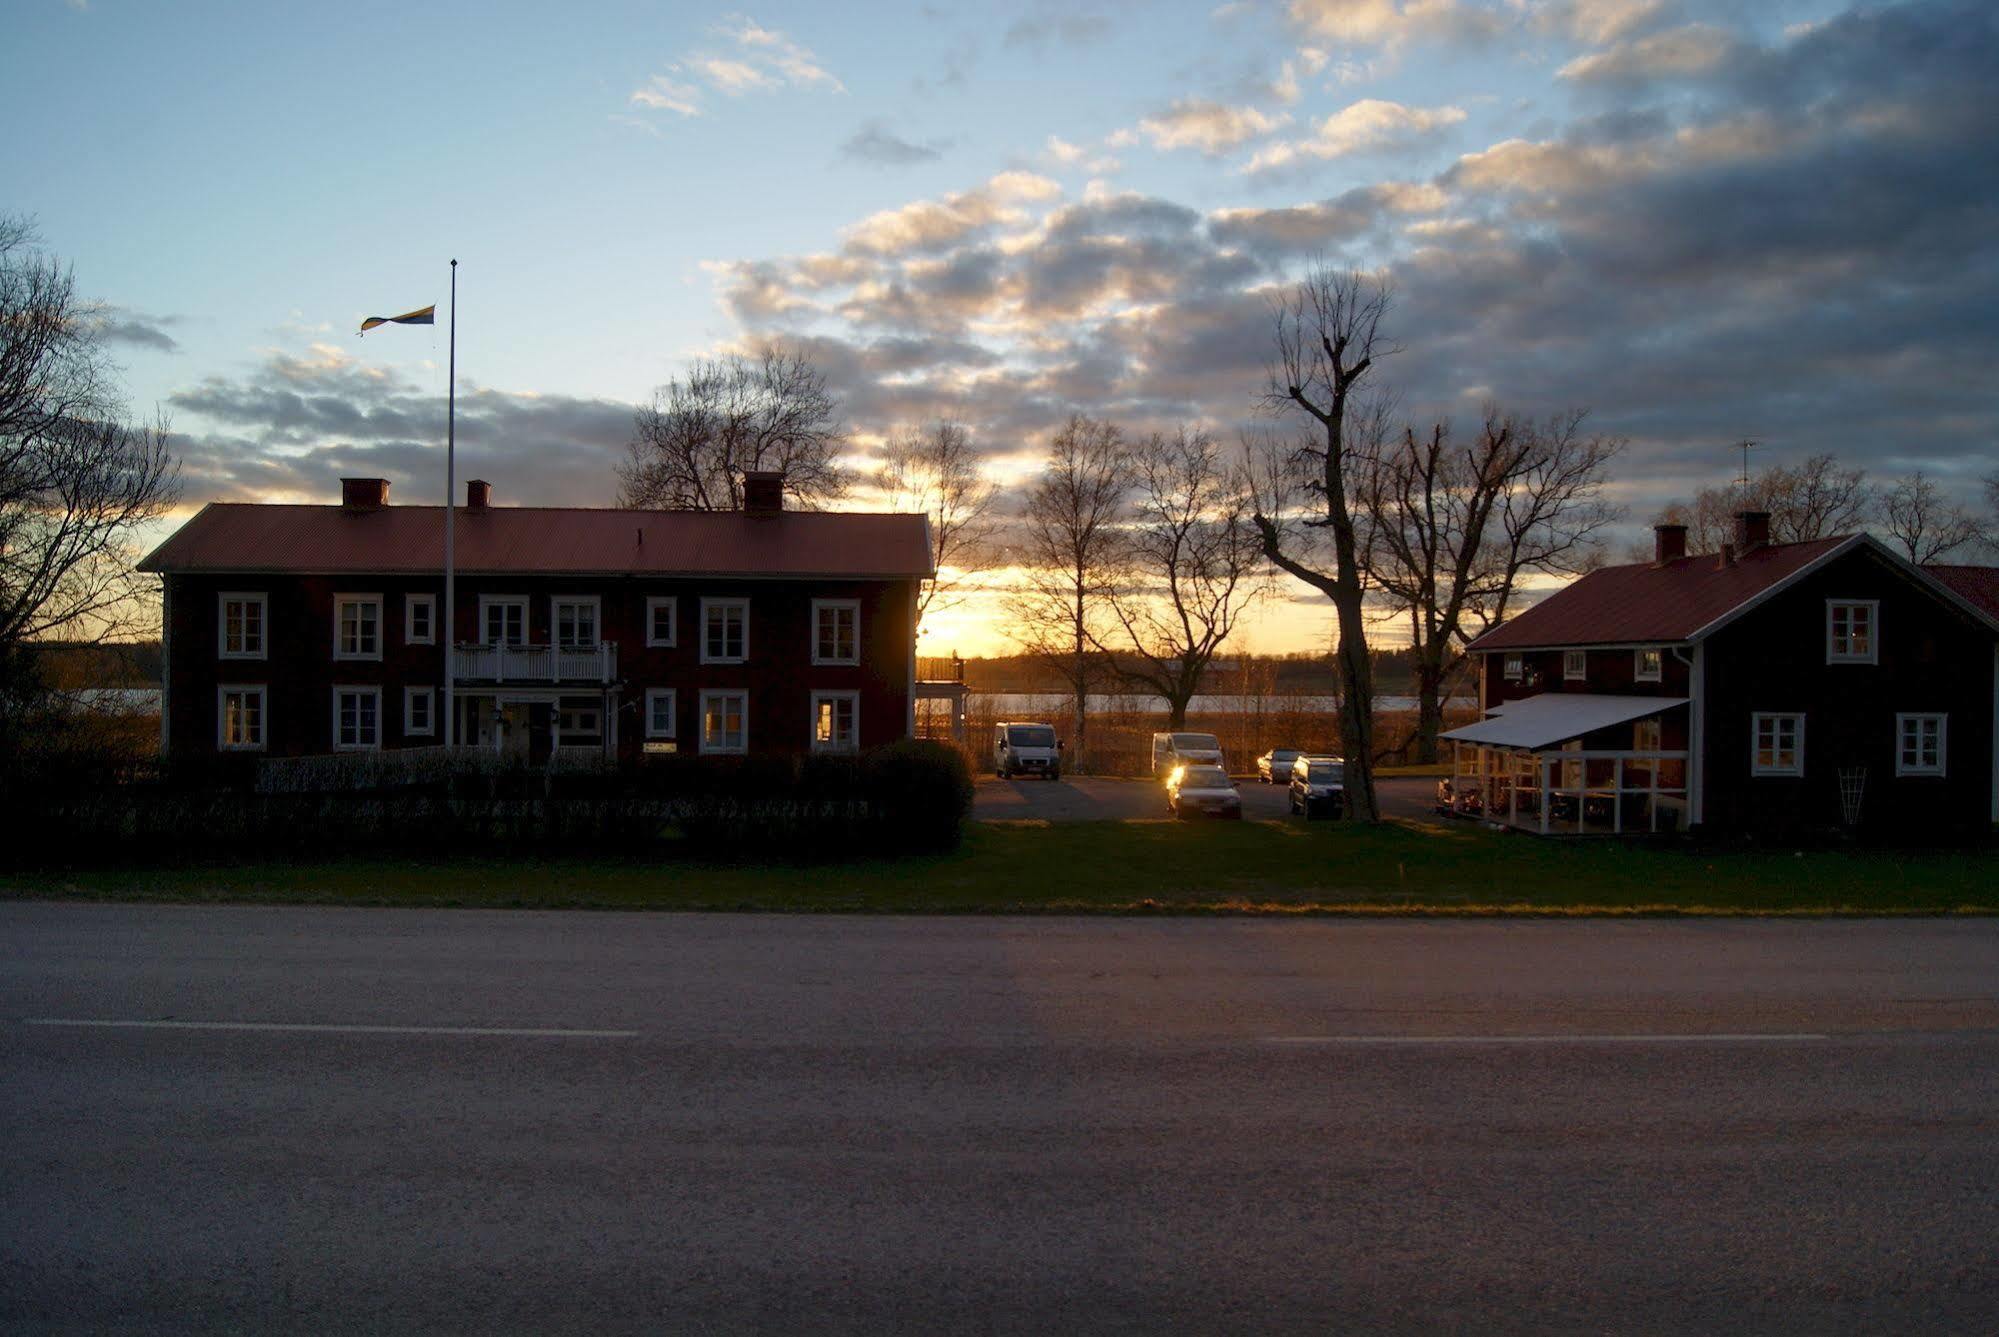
1392, 22
663, 94
1368, 126
1211, 127
760, 60
1068, 29
121, 325
874, 143
928, 225
1694, 50
1063, 152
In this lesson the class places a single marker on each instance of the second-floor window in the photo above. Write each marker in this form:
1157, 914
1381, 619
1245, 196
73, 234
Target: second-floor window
357, 626
503, 621
420, 619
1575, 664
1777, 744
662, 621
725, 631
836, 631
1919, 744
1849, 631
1649, 665
576, 623
242, 618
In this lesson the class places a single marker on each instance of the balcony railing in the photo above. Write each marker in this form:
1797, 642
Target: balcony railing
535, 663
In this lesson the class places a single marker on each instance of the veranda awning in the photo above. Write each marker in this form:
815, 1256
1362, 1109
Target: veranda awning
1555, 717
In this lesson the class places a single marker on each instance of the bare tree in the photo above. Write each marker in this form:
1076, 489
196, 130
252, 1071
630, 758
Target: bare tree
1066, 554
1814, 500
934, 470
1450, 530
1927, 525
1188, 566
1328, 338
77, 481
691, 446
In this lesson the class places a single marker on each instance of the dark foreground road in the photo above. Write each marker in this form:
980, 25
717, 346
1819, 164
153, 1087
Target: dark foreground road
371, 1121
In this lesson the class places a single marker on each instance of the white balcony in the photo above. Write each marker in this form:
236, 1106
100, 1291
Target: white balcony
535, 663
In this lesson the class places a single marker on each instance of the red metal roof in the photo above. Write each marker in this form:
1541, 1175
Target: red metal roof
1977, 585
236, 536
1653, 603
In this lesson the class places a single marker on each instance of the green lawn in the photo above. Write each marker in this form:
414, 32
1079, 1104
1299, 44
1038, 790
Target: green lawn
1134, 867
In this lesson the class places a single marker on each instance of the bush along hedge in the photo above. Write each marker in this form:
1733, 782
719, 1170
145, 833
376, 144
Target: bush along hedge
908, 797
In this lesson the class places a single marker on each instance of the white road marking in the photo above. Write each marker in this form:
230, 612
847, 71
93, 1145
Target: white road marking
331, 1029
1719, 1037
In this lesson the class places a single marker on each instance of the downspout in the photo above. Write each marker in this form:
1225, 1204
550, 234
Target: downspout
1696, 734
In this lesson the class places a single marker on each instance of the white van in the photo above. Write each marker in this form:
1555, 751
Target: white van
1180, 749
1026, 749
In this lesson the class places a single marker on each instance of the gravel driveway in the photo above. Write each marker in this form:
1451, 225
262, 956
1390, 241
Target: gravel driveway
1089, 798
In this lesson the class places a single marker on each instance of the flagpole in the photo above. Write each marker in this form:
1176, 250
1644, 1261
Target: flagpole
450, 510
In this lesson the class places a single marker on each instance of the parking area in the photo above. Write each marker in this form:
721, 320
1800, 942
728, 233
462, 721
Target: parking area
1090, 798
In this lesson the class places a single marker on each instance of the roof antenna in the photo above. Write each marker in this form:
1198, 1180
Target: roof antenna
1745, 447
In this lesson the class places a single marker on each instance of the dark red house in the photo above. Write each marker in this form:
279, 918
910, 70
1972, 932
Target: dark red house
295, 629
1766, 688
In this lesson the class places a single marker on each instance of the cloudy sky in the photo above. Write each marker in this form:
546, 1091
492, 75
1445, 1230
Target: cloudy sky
1701, 219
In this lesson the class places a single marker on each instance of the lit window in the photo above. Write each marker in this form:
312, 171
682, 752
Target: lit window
242, 629
420, 619
1777, 744
725, 721
419, 711
1648, 665
1850, 631
357, 718
357, 626
576, 623
836, 721
240, 719
662, 621
1575, 664
661, 716
1919, 744
1513, 667
836, 628
725, 631
503, 621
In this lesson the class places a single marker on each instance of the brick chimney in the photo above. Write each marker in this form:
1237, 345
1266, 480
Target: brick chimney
478, 494
763, 492
1752, 531
1669, 543
364, 494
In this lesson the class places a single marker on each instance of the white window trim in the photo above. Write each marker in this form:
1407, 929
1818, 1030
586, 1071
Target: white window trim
1902, 720
222, 602
1873, 655
1756, 719
1575, 665
812, 724
410, 696
340, 601
672, 699
519, 601
410, 605
375, 746
819, 605
263, 694
1638, 673
564, 736
741, 603
671, 603
555, 602
1513, 667
701, 724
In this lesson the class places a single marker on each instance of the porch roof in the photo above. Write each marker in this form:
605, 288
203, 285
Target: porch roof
1556, 717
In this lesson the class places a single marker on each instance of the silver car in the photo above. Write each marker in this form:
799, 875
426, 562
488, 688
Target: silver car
1202, 791
1274, 766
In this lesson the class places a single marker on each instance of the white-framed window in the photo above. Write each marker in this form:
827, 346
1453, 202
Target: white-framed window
1920, 741
1776, 744
575, 619
1852, 631
662, 713
420, 619
1572, 771
357, 718
357, 626
1647, 736
662, 621
1575, 665
725, 721
725, 631
242, 619
419, 710
239, 718
1513, 668
579, 724
836, 721
503, 619
836, 631
1648, 664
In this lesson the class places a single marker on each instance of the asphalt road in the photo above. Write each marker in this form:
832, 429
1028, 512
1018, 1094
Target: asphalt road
1088, 798
374, 1121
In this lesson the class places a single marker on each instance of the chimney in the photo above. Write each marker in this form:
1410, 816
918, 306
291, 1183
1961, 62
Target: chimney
1752, 531
763, 492
1728, 554
364, 494
1669, 543
478, 494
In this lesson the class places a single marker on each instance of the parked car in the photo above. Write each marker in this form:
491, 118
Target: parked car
1026, 749
1202, 791
1171, 750
1318, 786
1274, 766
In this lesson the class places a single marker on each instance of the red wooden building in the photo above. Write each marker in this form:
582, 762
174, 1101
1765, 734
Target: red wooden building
296, 630
1766, 688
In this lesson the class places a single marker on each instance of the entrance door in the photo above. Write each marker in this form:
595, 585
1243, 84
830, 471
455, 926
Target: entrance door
513, 730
